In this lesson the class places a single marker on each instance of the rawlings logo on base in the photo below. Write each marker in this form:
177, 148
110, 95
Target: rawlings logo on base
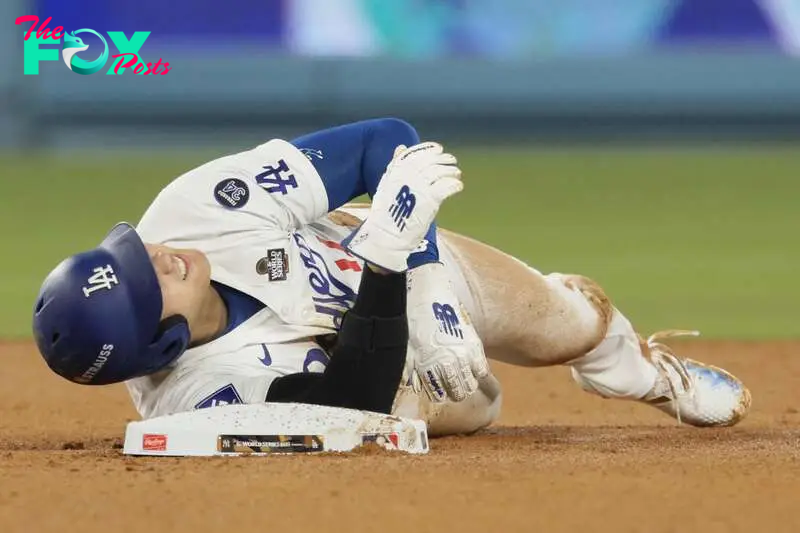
154, 443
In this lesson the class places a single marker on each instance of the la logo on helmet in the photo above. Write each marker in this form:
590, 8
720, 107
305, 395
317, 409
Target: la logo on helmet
72, 45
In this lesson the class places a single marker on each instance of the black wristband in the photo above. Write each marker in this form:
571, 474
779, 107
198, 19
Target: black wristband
381, 295
373, 333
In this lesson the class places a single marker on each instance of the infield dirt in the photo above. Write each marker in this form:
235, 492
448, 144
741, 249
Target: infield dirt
558, 460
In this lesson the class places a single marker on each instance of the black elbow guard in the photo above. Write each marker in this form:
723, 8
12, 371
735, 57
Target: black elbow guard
373, 350
373, 334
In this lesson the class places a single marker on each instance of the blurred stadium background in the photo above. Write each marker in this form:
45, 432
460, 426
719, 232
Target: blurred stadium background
650, 144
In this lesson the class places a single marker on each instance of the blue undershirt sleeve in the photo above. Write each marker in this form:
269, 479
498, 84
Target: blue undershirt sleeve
351, 160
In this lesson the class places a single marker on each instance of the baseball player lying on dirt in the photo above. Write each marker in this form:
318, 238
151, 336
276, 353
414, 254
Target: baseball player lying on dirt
255, 262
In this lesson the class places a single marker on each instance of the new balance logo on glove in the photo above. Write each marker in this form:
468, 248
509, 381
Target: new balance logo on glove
405, 204
402, 207
448, 320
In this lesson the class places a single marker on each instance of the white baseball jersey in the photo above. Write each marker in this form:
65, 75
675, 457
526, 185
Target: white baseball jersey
260, 218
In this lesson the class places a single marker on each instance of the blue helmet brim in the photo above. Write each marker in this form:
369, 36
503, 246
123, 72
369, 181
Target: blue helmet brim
127, 248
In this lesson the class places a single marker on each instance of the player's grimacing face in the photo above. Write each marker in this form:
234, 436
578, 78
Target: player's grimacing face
184, 277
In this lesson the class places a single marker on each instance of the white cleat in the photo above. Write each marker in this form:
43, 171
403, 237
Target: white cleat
693, 392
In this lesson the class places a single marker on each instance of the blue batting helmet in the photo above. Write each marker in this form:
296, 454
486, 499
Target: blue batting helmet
97, 318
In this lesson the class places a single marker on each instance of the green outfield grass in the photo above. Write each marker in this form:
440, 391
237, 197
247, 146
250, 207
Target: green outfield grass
680, 238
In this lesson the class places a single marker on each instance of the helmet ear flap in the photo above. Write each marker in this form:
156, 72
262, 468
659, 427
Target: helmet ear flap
172, 339
174, 321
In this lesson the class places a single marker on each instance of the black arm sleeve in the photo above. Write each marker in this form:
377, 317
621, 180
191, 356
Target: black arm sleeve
367, 361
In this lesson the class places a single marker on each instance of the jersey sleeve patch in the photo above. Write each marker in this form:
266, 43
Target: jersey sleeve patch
232, 193
227, 395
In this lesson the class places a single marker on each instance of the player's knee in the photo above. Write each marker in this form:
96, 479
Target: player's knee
592, 292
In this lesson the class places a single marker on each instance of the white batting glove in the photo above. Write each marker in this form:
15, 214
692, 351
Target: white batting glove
450, 357
409, 195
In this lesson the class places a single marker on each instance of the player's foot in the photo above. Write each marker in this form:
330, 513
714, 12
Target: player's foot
693, 392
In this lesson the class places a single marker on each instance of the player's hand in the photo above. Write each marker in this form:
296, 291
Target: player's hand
450, 357
412, 189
